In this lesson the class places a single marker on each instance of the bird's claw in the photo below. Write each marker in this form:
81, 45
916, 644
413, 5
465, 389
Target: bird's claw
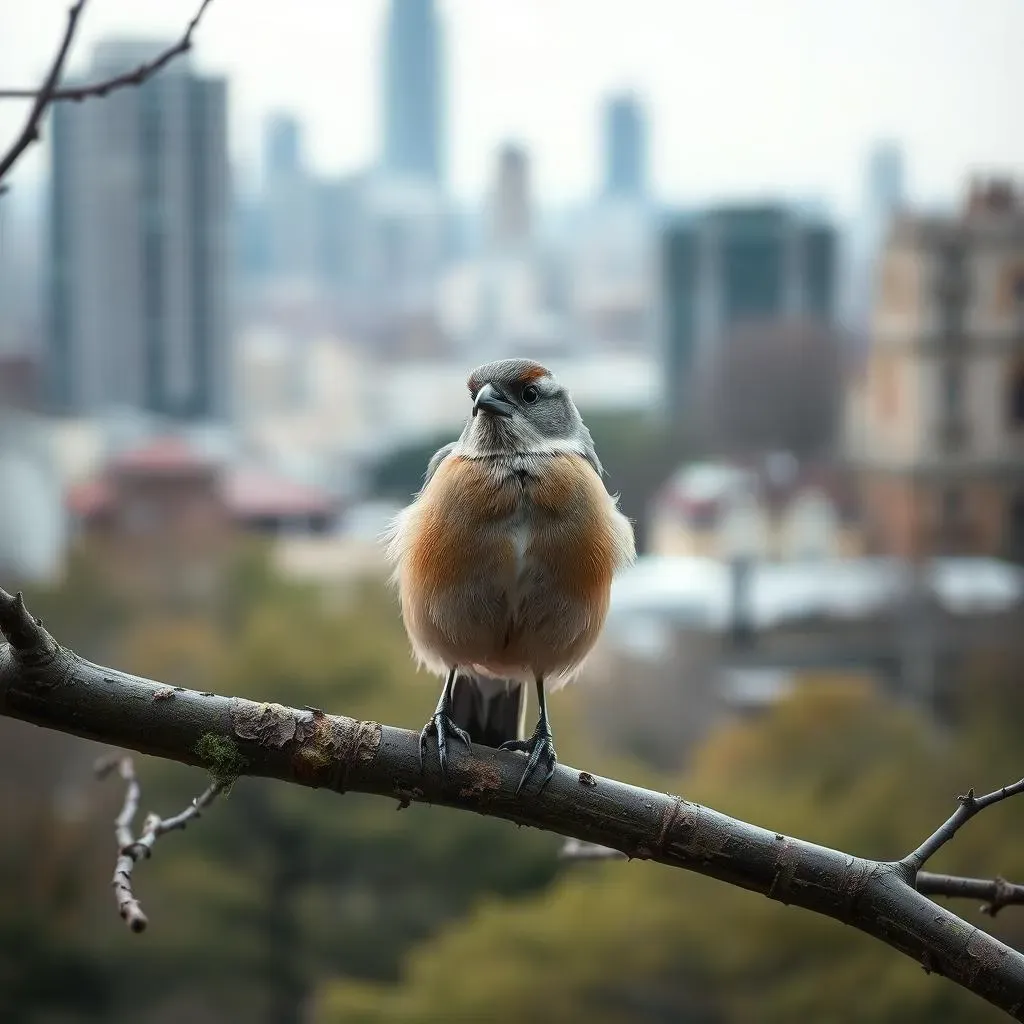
444, 727
540, 745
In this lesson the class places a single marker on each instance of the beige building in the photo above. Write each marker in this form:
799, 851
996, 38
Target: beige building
936, 422
773, 509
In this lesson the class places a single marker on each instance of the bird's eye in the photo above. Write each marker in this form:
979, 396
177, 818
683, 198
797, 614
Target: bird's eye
530, 394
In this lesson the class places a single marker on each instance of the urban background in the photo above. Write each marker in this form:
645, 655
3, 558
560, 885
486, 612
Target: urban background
224, 364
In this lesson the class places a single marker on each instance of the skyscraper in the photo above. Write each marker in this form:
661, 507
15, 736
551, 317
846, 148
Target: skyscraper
138, 258
737, 263
413, 143
625, 147
510, 203
885, 180
282, 149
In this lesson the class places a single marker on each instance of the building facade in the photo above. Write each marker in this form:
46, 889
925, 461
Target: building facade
138, 248
413, 106
625, 147
733, 264
936, 423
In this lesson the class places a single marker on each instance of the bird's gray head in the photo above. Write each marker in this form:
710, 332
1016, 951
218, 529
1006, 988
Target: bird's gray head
519, 408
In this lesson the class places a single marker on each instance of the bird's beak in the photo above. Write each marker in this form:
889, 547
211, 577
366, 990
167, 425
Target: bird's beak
489, 399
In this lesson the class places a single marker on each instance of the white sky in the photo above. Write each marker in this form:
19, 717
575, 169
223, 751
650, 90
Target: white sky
745, 96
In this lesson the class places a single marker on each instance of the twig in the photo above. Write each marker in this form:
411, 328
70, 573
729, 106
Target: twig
46, 684
43, 96
129, 78
969, 806
130, 850
996, 892
50, 93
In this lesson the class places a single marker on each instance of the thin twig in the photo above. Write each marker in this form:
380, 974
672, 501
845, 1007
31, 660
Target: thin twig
129, 78
969, 806
43, 96
996, 892
50, 93
130, 850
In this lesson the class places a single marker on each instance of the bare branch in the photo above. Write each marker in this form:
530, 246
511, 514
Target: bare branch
30, 131
50, 93
996, 892
129, 849
50, 686
969, 806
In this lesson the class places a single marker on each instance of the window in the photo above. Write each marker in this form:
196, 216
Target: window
1016, 396
887, 387
952, 507
952, 388
1015, 528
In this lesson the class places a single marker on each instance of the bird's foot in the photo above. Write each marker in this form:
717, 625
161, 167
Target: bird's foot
541, 747
445, 728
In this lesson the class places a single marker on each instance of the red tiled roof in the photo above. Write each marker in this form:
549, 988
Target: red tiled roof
251, 493
163, 455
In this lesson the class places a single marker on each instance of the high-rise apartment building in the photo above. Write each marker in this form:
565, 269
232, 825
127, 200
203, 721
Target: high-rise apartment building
138, 254
625, 147
937, 422
510, 200
413, 142
732, 264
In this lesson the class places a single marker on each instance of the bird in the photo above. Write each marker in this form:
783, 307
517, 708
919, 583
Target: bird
504, 561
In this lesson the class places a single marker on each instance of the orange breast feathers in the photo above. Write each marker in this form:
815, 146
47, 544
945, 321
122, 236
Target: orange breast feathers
561, 520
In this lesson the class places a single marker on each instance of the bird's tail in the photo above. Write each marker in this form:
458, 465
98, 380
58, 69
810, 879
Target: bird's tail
492, 711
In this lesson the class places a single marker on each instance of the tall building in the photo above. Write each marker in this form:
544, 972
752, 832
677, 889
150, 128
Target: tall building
282, 149
413, 92
937, 422
732, 264
138, 254
625, 147
289, 203
510, 200
885, 181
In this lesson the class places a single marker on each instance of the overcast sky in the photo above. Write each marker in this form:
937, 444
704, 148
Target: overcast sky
746, 97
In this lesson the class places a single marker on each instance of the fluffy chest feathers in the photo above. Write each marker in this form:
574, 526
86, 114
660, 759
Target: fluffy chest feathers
552, 512
502, 565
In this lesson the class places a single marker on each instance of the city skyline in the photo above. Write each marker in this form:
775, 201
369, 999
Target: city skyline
787, 108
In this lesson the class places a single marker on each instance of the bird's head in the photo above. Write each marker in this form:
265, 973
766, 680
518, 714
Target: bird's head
520, 408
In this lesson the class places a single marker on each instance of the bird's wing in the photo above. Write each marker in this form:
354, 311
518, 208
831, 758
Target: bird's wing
436, 459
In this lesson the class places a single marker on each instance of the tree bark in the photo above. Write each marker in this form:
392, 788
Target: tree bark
48, 685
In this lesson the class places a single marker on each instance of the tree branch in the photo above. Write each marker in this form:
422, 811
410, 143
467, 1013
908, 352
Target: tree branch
129, 849
969, 806
30, 131
997, 892
48, 685
50, 93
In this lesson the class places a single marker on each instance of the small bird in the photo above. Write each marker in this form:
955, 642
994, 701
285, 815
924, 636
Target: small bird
504, 560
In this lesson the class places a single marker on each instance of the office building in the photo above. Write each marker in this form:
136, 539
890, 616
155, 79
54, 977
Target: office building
625, 148
510, 199
413, 137
138, 253
732, 264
